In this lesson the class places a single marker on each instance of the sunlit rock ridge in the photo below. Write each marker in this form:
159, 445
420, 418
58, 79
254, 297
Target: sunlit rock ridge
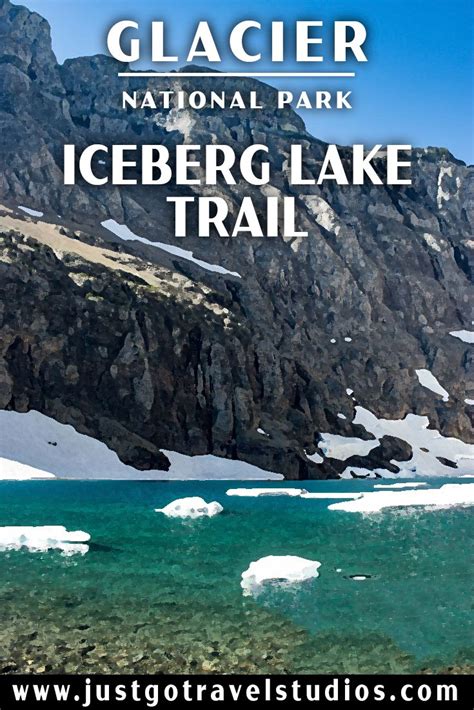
265, 352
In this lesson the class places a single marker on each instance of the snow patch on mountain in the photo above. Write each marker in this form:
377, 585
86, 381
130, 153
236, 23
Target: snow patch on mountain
30, 212
428, 380
57, 450
123, 232
428, 446
335, 446
467, 336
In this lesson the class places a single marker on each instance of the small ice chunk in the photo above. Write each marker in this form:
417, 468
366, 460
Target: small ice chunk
262, 432
470, 402
192, 507
467, 336
258, 492
348, 340
101, 162
286, 568
428, 380
42, 538
32, 213
349, 391
341, 416
333, 340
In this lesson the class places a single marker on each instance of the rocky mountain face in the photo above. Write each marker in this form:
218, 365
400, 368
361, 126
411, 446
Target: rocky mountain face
146, 350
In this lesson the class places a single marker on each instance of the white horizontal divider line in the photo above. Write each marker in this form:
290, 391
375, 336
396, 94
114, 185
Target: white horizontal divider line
249, 75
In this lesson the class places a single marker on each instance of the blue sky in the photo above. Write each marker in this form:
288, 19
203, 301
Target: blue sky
417, 86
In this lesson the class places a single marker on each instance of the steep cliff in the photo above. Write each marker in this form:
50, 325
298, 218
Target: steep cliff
264, 350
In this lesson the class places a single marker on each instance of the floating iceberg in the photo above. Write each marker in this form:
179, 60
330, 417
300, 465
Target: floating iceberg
291, 492
42, 538
400, 485
287, 568
192, 507
449, 495
259, 492
328, 495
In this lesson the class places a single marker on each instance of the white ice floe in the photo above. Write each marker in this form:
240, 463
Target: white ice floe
333, 340
341, 416
349, 391
32, 213
291, 492
42, 538
262, 432
470, 402
259, 492
286, 568
428, 380
329, 495
467, 336
412, 484
428, 446
58, 451
348, 340
449, 495
123, 232
335, 446
192, 507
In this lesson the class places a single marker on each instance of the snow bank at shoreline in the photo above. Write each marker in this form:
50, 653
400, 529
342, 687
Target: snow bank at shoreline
57, 450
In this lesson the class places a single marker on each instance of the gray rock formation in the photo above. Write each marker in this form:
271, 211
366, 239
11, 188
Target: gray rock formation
147, 351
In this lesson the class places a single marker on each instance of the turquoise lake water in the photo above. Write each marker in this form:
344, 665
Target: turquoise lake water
162, 595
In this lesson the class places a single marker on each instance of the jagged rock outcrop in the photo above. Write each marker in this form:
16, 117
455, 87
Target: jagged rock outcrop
148, 351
